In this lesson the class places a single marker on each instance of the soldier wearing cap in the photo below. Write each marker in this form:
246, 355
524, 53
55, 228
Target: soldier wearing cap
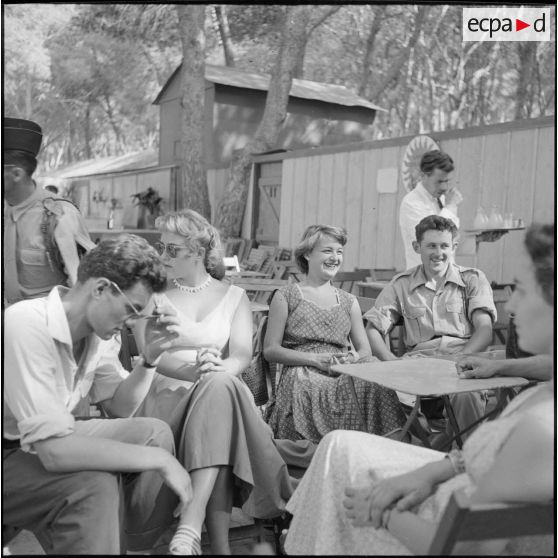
41, 232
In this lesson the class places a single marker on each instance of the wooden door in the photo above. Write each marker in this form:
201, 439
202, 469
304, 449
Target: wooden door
267, 203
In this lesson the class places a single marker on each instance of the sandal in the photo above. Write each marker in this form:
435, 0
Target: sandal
185, 542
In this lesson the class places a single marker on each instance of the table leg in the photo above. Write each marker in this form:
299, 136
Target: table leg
411, 419
453, 421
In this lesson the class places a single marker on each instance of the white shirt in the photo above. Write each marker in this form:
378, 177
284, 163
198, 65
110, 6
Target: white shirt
415, 206
43, 384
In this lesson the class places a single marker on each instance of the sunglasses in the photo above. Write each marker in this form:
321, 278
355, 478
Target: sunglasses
171, 249
137, 315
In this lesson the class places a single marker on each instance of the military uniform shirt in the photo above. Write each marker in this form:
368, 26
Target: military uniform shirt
428, 314
35, 275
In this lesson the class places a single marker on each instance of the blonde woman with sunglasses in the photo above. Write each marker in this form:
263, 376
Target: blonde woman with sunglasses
221, 438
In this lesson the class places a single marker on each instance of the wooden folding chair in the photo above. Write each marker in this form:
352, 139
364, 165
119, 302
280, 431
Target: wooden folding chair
259, 289
365, 303
231, 263
346, 279
383, 274
463, 521
501, 297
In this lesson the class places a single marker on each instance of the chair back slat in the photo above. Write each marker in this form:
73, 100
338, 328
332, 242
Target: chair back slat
462, 521
346, 280
365, 303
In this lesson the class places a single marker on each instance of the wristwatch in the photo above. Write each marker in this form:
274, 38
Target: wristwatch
143, 362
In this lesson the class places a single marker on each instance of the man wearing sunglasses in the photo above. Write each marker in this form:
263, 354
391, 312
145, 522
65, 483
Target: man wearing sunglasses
62, 475
43, 233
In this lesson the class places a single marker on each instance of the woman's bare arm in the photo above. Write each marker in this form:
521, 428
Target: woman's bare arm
358, 334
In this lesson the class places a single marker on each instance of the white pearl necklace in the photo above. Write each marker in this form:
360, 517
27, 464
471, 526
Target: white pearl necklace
197, 289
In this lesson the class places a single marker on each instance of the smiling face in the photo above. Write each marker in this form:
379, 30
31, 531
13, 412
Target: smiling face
437, 182
183, 264
436, 251
326, 258
110, 310
534, 317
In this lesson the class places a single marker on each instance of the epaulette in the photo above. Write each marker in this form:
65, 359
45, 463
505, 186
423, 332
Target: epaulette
405, 273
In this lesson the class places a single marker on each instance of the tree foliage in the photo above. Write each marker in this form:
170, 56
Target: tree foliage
89, 72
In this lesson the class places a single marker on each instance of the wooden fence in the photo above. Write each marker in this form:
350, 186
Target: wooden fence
509, 165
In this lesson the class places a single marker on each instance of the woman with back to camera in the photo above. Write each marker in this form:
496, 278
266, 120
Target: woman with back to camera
309, 327
395, 494
221, 438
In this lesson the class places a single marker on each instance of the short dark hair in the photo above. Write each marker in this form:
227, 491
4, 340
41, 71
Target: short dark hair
434, 223
436, 159
539, 241
311, 237
125, 260
20, 159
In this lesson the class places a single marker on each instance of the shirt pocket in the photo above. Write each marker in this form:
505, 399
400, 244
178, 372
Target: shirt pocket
30, 256
455, 314
415, 325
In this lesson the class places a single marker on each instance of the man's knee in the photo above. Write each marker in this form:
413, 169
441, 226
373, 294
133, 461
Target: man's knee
151, 432
98, 486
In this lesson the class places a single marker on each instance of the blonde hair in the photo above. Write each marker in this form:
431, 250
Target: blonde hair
198, 233
311, 237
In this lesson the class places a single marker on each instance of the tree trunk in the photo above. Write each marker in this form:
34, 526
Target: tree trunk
403, 56
293, 39
29, 94
191, 19
298, 71
527, 60
370, 41
87, 130
225, 34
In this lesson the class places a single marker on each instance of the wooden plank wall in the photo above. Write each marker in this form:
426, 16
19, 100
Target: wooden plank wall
507, 165
122, 186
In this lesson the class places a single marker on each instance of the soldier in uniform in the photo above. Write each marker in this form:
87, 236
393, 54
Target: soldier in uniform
446, 308
42, 233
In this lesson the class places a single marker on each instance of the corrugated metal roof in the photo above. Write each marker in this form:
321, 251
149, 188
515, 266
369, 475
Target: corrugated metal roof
301, 88
120, 163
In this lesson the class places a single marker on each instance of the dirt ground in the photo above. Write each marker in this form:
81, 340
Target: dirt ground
25, 544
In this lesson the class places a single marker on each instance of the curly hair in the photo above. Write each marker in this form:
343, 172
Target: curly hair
539, 242
125, 260
311, 237
434, 223
436, 159
198, 233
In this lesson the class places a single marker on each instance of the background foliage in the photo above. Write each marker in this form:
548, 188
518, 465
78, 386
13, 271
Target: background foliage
89, 73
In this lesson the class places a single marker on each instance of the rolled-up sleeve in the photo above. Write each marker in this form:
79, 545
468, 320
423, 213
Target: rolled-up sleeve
30, 378
109, 372
385, 312
479, 295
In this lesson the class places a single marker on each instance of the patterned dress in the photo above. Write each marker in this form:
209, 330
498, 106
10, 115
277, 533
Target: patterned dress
357, 459
309, 403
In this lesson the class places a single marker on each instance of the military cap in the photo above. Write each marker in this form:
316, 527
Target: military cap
21, 135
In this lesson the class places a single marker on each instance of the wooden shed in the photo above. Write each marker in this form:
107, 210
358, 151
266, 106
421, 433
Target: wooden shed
359, 186
317, 114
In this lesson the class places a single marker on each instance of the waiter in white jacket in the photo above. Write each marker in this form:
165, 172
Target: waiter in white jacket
433, 195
